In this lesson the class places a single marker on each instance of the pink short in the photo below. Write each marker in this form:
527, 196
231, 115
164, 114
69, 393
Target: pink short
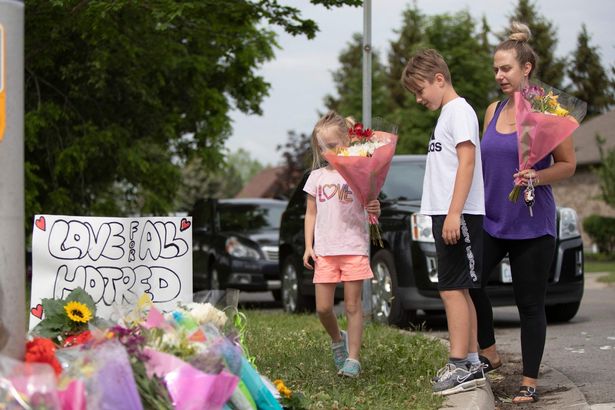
341, 268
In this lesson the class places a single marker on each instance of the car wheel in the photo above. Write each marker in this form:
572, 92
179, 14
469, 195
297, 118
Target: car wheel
292, 298
386, 304
562, 312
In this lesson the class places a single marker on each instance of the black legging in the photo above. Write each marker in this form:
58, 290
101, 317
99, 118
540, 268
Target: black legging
530, 260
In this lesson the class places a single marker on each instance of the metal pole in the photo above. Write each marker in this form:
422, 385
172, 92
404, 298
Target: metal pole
12, 235
367, 117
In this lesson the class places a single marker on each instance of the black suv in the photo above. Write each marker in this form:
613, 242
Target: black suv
235, 244
405, 270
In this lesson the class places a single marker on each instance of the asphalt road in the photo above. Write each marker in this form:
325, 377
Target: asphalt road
582, 349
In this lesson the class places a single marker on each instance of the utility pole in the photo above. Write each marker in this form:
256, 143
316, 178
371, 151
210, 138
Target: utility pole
12, 235
367, 117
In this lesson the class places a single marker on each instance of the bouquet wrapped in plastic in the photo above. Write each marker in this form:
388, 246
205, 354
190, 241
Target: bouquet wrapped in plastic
545, 117
365, 163
27, 385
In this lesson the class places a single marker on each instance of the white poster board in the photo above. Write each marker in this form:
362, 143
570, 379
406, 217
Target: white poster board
115, 260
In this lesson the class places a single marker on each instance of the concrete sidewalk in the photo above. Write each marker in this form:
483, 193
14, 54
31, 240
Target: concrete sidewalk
563, 394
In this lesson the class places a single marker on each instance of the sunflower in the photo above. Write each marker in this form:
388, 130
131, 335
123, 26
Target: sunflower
78, 312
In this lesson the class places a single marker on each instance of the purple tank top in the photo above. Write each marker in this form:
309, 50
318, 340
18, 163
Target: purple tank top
505, 219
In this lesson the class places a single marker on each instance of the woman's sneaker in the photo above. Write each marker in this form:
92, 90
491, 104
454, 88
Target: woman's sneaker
453, 380
340, 351
351, 368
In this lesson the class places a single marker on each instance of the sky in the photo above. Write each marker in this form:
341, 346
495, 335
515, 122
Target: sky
301, 73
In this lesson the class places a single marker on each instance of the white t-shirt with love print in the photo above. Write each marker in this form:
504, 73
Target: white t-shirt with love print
341, 220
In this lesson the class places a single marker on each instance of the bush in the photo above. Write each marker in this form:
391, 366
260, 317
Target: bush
602, 231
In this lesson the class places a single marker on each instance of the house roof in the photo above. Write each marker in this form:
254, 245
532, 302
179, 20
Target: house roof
585, 143
265, 184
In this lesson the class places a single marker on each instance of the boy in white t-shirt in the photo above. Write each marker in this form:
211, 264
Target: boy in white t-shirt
453, 196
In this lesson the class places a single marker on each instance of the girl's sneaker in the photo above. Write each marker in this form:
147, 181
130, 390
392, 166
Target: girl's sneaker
351, 368
340, 351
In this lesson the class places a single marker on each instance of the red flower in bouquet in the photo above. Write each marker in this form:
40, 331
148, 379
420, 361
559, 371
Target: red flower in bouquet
544, 117
42, 350
364, 164
78, 339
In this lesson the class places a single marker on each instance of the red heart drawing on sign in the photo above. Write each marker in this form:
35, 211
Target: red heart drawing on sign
40, 223
37, 311
185, 224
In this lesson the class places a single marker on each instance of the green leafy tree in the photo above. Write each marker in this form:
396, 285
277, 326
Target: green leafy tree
606, 172
348, 81
410, 38
297, 158
590, 81
246, 166
544, 41
197, 182
120, 95
453, 36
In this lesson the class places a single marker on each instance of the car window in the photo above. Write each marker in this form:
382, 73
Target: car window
404, 181
247, 217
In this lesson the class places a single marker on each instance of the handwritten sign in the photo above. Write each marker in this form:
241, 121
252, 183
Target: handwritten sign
115, 260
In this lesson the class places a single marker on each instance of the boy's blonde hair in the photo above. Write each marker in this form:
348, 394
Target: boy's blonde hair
331, 121
517, 40
423, 66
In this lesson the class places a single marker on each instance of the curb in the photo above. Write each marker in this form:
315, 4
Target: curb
562, 393
477, 399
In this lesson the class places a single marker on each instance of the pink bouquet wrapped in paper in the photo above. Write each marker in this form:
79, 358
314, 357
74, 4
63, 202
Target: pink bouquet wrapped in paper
545, 117
365, 163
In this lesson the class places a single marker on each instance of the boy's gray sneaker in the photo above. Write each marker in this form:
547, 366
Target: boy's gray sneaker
453, 379
340, 351
478, 372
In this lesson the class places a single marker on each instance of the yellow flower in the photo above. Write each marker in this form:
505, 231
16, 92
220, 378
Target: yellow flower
78, 312
559, 110
284, 391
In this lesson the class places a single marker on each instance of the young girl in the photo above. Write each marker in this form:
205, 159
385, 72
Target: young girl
337, 240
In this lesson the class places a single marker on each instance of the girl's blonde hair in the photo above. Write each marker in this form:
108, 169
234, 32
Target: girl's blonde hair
518, 39
331, 121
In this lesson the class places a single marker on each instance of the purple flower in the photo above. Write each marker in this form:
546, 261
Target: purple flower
532, 91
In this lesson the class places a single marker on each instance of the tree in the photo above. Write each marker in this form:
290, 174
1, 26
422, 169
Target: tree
453, 36
348, 81
589, 79
606, 172
297, 156
197, 182
245, 165
119, 95
544, 41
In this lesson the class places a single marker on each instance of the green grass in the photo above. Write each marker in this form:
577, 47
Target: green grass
397, 366
599, 266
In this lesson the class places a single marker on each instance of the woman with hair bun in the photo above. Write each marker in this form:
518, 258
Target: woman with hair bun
508, 227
